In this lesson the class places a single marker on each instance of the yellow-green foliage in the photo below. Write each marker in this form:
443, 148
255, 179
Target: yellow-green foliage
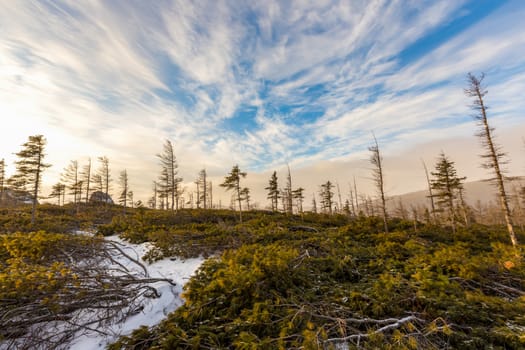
283, 287
32, 266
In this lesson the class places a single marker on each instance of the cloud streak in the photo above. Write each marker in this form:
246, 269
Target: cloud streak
117, 78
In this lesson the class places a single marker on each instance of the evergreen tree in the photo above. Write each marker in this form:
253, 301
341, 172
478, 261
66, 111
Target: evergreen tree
327, 197
314, 204
377, 175
493, 155
58, 191
169, 181
446, 184
233, 182
273, 191
298, 195
153, 200
71, 179
245, 193
124, 188
104, 177
131, 200
29, 168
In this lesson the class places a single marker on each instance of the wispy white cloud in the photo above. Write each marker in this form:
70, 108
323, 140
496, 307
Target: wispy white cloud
117, 78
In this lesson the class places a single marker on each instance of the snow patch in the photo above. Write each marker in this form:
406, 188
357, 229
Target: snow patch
154, 310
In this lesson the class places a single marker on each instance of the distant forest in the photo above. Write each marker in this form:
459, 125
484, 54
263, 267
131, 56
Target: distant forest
87, 183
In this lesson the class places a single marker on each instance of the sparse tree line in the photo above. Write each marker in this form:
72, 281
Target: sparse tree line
445, 186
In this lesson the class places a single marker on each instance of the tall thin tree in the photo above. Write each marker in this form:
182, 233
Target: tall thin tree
493, 156
446, 184
29, 168
298, 195
105, 177
378, 177
273, 191
327, 197
233, 182
170, 171
124, 189
288, 193
71, 178
58, 191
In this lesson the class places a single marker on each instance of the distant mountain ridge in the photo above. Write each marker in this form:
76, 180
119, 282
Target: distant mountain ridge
481, 190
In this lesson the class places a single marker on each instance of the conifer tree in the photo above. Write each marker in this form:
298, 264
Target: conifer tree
446, 184
377, 175
298, 195
233, 182
327, 197
314, 204
245, 193
169, 181
124, 188
71, 179
273, 191
104, 176
203, 189
493, 156
153, 200
29, 168
58, 191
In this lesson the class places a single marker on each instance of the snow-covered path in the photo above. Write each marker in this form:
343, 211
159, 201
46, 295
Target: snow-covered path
179, 271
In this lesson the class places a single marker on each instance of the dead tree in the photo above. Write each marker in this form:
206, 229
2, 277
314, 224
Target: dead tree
378, 177
493, 156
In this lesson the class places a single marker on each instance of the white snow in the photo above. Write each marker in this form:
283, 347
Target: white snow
155, 310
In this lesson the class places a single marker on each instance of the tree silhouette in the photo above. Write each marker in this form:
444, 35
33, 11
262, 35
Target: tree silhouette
273, 191
493, 156
233, 182
29, 168
446, 185
377, 175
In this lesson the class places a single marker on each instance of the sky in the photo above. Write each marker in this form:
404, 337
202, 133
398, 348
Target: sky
261, 84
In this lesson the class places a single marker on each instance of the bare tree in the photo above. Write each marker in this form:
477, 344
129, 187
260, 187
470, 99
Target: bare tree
377, 172
493, 156
288, 197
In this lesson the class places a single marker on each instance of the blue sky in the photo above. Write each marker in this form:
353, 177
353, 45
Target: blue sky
260, 84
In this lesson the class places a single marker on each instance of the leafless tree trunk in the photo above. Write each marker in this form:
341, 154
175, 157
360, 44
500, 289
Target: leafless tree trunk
494, 155
378, 177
